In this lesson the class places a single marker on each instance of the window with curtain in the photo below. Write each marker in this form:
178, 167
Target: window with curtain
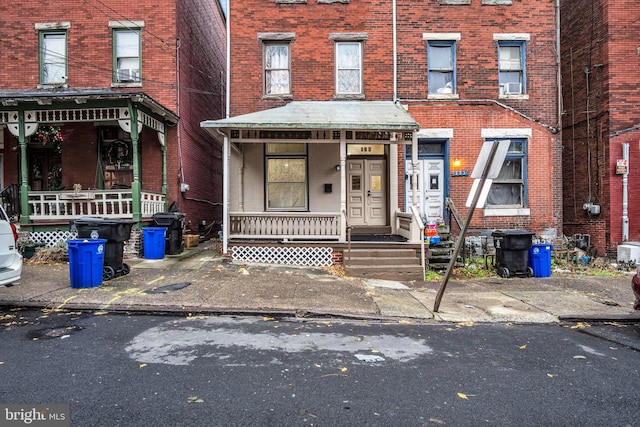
441, 65
509, 189
277, 76
511, 67
286, 180
127, 55
348, 68
53, 57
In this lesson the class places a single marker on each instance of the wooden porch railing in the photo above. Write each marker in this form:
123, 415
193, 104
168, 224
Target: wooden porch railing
66, 205
273, 225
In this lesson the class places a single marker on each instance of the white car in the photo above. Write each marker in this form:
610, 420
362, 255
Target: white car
10, 258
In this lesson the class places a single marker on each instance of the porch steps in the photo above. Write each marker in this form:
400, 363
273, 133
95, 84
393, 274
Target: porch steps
383, 263
439, 254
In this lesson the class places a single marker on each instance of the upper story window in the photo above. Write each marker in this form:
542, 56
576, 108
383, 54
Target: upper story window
511, 64
276, 63
127, 56
349, 64
53, 57
441, 63
127, 48
348, 68
277, 72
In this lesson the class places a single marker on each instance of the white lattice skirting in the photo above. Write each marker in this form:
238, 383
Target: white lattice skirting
52, 238
312, 256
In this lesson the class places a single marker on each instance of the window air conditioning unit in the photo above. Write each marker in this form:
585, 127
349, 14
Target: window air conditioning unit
510, 89
127, 75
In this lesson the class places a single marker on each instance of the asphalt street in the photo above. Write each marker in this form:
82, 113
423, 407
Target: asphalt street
146, 370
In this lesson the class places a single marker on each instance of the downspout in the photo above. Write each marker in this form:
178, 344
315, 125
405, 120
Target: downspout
625, 195
395, 54
228, 65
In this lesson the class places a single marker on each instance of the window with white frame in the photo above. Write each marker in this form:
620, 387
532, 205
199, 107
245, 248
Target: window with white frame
277, 68
348, 68
127, 58
511, 67
53, 57
509, 189
286, 177
441, 57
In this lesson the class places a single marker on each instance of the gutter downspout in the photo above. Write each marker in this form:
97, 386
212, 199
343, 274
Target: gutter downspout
625, 194
228, 62
395, 54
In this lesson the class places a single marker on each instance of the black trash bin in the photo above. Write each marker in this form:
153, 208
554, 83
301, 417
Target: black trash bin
512, 252
174, 223
116, 232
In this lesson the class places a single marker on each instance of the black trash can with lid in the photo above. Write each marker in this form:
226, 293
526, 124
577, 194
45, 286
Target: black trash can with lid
174, 223
116, 232
512, 252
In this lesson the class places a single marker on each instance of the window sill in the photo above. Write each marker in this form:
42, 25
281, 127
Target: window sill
277, 97
523, 97
443, 96
122, 84
344, 96
52, 85
507, 212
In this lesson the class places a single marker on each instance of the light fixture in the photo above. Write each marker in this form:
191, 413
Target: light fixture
338, 168
457, 163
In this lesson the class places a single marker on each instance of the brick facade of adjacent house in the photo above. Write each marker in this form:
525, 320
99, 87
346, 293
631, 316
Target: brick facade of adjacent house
600, 60
183, 70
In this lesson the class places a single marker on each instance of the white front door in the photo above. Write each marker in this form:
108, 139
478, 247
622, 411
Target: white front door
366, 192
430, 194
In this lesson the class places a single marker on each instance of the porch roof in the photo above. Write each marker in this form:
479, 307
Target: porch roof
336, 115
47, 97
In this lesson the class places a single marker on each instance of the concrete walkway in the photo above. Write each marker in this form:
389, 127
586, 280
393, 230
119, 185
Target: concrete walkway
199, 281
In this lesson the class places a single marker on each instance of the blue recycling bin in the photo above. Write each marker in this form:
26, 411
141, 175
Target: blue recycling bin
86, 261
540, 259
154, 244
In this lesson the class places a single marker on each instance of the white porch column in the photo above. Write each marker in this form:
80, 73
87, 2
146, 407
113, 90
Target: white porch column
343, 187
225, 194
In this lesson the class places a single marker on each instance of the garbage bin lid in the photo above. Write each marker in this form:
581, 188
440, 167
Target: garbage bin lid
512, 233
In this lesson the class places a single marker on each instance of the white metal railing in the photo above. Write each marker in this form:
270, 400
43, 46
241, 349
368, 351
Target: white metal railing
65, 205
275, 225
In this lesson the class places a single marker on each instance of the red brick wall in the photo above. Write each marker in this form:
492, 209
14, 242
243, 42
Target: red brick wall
89, 44
197, 159
600, 37
543, 201
477, 52
312, 52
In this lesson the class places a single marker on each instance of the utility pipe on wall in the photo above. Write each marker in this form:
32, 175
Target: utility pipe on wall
625, 195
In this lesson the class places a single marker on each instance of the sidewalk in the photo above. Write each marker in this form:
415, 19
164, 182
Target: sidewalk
199, 281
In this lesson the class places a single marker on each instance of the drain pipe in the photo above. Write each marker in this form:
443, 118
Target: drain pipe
625, 194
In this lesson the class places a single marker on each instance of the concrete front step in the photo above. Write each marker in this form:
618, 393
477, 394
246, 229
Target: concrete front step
385, 272
383, 263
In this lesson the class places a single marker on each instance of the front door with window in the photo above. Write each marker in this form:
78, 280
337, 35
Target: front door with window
430, 189
366, 192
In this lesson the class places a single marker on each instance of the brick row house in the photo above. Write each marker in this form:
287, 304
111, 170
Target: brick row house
601, 124
76, 76
352, 117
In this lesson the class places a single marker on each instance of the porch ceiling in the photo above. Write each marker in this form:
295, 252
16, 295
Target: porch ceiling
329, 115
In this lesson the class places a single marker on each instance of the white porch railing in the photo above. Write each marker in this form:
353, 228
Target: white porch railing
66, 205
274, 225
410, 226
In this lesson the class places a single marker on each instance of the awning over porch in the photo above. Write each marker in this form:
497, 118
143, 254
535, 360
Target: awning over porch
336, 115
